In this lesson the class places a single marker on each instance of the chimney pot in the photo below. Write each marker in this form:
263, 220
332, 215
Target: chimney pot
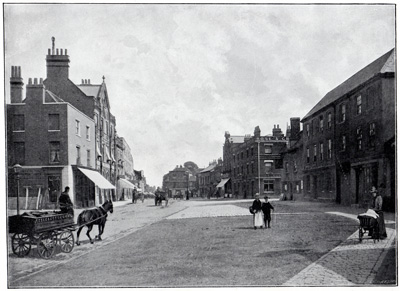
82, 82
35, 81
61, 51
30, 81
49, 52
53, 44
89, 81
57, 52
41, 81
66, 52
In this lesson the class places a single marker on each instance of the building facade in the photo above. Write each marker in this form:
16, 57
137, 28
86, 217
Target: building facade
181, 180
209, 178
292, 171
254, 163
85, 143
50, 151
349, 137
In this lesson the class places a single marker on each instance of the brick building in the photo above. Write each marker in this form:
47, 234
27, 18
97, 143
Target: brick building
180, 180
84, 116
93, 101
349, 137
125, 172
50, 151
209, 178
254, 163
292, 172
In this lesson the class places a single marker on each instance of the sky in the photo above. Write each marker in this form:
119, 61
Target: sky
180, 76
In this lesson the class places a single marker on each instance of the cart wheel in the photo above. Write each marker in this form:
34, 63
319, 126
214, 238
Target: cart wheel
360, 234
67, 241
46, 244
21, 244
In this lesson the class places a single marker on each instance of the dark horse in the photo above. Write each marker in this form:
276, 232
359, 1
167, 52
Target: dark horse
90, 217
160, 196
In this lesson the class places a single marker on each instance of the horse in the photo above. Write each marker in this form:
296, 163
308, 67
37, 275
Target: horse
90, 217
159, 198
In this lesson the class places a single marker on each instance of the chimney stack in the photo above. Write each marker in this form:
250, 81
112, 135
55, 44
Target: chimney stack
277, 132
16, 85
57, 63
257, 131
35, 90
294, 128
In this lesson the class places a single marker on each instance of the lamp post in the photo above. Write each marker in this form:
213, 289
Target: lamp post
187, 186
17, 169
258, 163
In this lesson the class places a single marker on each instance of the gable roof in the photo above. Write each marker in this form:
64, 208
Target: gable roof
209, 168
384, 64
90, 90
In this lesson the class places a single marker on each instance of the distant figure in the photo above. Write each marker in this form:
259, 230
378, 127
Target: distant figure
377, 203
257, 216
134, 196
65, 202
266, 209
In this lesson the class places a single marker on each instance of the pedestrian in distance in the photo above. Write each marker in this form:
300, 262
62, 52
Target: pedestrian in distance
257, 216
266, 209
134, 196
66, 205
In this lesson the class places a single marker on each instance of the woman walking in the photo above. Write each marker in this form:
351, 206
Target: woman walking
257, 216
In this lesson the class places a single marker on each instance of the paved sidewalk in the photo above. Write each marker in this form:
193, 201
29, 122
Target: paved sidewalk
350, 264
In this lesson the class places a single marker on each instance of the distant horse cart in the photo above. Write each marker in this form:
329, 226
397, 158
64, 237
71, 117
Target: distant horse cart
159, 197
49, 230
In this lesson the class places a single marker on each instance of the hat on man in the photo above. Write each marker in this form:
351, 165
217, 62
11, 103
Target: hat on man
373, 190
257, 195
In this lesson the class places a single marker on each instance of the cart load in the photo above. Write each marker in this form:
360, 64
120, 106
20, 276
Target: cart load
45, 229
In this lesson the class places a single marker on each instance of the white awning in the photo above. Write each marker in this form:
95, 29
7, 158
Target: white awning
222, 183
97, 178
126, 184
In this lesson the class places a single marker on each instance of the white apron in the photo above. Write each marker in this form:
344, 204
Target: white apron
258, 219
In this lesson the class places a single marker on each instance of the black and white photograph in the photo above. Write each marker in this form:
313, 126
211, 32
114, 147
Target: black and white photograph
199, 145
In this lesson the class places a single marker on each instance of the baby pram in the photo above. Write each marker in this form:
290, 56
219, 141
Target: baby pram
368, 223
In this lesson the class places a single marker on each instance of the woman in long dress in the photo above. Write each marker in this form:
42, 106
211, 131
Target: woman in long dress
377, 207
258, 220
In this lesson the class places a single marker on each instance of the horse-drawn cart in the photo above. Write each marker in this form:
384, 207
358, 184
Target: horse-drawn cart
45, 229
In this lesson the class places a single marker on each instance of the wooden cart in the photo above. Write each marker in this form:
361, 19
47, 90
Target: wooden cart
45, 229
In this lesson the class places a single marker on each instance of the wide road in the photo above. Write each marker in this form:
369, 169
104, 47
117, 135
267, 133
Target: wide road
211, 243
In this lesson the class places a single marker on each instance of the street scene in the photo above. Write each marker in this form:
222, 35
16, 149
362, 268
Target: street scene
213, 243
200, 145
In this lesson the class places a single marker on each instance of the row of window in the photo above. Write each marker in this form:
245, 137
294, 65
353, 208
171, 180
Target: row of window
320, 125
342, 113
343, 144
250, 153
251, 169
53, 124
268, 186
54, 153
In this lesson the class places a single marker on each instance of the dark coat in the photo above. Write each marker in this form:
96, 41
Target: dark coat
256, 205
266, 208
65, 202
